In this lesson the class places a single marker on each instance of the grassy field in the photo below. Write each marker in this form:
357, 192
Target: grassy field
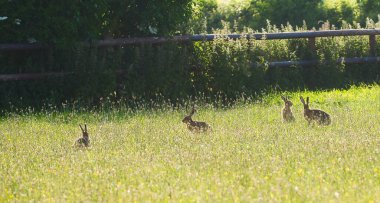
250, 156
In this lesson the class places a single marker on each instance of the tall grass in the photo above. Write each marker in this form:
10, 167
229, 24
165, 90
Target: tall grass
149, 155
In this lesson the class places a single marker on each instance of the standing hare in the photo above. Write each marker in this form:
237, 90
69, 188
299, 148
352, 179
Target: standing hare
319, 116
195, 126
84, 140
287, 114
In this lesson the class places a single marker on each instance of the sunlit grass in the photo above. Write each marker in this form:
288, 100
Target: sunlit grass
150, 155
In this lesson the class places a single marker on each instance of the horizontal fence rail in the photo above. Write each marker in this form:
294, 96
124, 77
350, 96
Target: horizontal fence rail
293, 35
205, 37
32, 76
309, 35
39, 76
355, 60
259, 36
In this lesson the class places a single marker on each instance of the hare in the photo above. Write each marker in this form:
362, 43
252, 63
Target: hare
321, 117
84, 140
195, 126
287, 114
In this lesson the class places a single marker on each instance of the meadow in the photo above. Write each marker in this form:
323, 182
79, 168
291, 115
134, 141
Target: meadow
148, 155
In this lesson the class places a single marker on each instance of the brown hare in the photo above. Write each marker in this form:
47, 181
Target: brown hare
319, 116
195, 126
84, 141
287, 115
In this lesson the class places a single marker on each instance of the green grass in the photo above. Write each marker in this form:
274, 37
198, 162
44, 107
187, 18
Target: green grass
150, 156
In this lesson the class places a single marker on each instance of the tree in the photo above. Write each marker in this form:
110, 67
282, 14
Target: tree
284, 11
58, 22
148, 17
370, 9
65, 22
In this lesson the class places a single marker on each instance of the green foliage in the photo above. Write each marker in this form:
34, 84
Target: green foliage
204, 13
59, 23
255, 14
140, 18
65, 22
149, 155
370, 9
282, 12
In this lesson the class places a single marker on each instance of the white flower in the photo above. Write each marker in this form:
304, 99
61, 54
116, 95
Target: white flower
152, 30
32, 40
17, 21
3, 18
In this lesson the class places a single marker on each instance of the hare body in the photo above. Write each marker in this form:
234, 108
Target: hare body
287, 115
319, 116
84, 141
195, 126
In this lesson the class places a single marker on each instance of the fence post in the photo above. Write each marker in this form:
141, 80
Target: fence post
372, 45
312, 47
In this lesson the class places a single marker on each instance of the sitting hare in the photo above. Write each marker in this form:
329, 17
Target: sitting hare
287, 114
321, 117
195, 126
84, 140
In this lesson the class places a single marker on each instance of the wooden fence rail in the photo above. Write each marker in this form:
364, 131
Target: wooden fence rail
310, 35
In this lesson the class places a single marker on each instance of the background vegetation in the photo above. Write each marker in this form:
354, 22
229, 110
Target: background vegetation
255, 14
216, 71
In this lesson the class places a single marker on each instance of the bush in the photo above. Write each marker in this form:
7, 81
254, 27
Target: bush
254, 14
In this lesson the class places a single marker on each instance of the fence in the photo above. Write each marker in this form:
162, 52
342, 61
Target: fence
309, 35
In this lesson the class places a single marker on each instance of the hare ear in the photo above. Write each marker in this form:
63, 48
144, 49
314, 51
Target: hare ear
307, 100
85, 127
81, 128
283, 98
192, 111
302, 100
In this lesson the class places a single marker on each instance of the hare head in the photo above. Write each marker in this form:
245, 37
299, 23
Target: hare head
287, 102
188, 118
